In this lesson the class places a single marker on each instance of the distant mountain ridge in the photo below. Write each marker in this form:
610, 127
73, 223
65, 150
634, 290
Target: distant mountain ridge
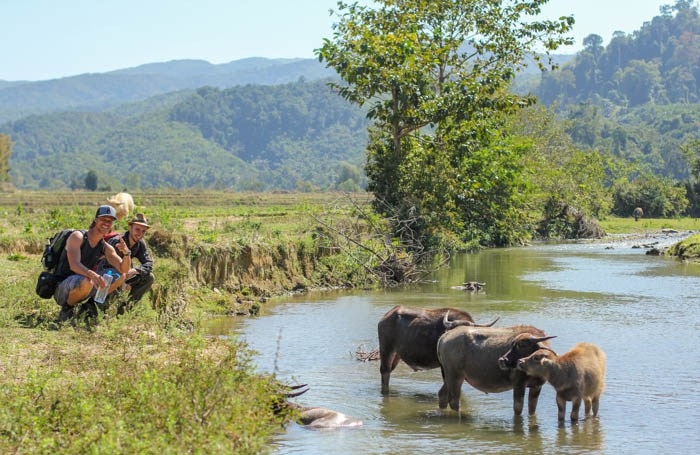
99, 91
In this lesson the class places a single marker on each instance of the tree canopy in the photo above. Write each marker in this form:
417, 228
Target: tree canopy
434, 76
5, 153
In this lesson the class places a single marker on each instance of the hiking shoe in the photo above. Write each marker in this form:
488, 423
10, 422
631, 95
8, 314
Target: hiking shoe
65, 314
88, 309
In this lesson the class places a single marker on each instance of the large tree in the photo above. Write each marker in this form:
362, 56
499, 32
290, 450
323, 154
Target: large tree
5, 153
435, 75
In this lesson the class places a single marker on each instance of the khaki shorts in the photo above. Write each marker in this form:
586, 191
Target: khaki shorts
67, 285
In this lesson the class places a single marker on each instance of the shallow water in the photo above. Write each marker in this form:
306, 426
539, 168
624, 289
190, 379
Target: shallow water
642, 310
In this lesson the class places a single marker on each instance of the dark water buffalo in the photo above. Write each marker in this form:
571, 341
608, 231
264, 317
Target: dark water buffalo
411, 335
486, 357
638, 213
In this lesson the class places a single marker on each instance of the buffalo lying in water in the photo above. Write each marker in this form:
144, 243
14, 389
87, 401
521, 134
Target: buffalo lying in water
315, 416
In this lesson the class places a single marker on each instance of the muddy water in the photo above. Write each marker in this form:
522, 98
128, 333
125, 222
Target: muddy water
642, 310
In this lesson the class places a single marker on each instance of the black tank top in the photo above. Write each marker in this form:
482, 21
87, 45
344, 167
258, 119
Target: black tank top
89, 257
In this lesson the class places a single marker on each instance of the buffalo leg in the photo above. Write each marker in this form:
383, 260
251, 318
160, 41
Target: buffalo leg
561, 406
443, 397
388, 362
518, 399
575, 406
595, 402
532, 397
451, 390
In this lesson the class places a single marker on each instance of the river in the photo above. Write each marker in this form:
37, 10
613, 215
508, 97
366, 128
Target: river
641, 309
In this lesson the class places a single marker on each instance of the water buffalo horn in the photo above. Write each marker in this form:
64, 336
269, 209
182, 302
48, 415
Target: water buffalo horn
539, 340
452, 324
297, 390
490, 324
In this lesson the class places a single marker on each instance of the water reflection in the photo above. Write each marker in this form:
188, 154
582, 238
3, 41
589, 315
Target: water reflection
643, 311
585, 434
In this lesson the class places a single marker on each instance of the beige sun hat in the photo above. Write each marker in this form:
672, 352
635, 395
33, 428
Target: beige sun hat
140, 219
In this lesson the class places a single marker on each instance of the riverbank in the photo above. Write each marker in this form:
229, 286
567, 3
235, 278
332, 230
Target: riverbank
91, 387
679, 238
150, 380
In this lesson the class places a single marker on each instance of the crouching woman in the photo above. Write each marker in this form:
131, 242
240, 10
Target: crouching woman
80, 269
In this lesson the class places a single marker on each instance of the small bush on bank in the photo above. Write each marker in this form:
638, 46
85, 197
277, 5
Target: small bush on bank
140, 393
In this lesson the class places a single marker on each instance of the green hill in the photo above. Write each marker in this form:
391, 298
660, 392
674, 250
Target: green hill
291, 136
638, 97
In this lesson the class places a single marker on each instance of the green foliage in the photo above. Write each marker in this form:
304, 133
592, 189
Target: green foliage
657, 63
158, 83
5, 154
688, 248
433, 75
652, 136
658, 197
292, 133
637, 97
252, 137
91, 180
559, 173
200, 399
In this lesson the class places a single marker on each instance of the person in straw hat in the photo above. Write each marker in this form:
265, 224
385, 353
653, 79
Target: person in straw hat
138, 279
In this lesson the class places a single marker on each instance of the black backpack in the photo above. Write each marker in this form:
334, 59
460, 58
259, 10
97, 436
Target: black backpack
54, 248
47, 282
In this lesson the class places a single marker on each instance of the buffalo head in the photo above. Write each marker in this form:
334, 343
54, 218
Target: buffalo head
523, 345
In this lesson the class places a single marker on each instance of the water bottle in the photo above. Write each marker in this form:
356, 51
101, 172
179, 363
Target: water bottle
102, 292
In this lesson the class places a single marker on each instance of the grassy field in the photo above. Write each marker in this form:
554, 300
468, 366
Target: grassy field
150, 381
616, 225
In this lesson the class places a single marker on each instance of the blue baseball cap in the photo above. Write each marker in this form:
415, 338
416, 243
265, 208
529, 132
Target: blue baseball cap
106, 210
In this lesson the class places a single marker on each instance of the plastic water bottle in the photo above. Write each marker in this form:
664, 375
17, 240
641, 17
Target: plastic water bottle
102, 292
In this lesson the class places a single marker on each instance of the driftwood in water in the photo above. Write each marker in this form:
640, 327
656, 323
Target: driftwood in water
365, 356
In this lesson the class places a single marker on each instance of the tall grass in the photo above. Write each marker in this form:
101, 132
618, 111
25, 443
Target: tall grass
148, 381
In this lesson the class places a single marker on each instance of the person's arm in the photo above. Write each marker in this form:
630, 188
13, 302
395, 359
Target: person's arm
121, 264
73, 244
145, 259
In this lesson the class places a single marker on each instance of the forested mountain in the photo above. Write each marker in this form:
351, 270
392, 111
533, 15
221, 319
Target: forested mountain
291, 136
638, 97
273, 124
103, 90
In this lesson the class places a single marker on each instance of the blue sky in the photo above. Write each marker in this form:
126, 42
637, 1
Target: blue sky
47, 39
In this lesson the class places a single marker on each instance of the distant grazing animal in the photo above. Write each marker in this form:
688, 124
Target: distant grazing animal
123, 203
638, 213
483, 356
578, 375
411, 335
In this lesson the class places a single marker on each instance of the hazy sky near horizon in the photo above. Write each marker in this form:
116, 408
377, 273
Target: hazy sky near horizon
48, 39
